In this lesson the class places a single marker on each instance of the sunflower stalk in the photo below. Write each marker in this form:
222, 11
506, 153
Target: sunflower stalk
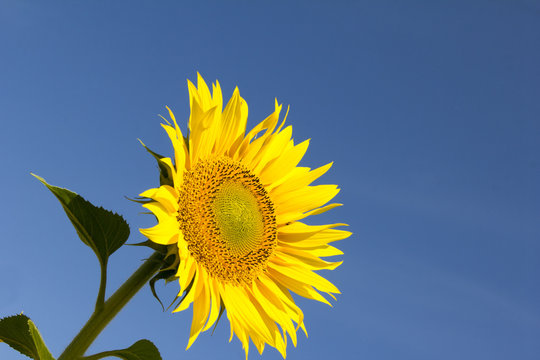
104, 314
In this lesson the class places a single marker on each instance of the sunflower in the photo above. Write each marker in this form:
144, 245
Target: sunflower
231, 210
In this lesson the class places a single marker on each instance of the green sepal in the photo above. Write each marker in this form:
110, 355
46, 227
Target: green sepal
221, 310
141, 350
152, 245
165, 176
167, 272
162, 275
21, 334
139, 200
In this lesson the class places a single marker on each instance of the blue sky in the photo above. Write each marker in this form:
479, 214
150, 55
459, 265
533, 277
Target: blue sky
429, 109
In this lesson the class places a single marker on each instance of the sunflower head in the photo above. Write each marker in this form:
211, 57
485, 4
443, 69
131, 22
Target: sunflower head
230, 207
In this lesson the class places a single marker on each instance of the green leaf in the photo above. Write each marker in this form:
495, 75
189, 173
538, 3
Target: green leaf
141, 350
14, 332
102, 230
21, 334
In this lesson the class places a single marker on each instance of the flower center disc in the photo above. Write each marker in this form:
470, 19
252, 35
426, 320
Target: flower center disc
237, 215
227, 219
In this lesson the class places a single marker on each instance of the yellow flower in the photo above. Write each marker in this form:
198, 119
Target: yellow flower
232, 215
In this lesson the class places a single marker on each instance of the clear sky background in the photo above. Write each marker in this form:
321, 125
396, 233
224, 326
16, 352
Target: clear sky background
430, 110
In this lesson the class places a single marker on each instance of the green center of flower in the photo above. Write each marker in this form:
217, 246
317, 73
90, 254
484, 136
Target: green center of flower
238, 217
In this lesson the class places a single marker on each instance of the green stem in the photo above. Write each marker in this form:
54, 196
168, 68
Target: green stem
100, 301
101, 317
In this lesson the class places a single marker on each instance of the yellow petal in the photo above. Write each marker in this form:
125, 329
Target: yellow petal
189, 296
201, 307
307, 198
180, 151
315, 238
186, 271
204, 93
300, 288
233, 124
287, 217
217, 97
268, 124
299, 171
166, 231
305, 259
277, 339
303, 276
273, 148
216, 303
166, 195
301, 228
281, 166
271, 304
202, 133
285, 298
318, 250
235, 300
300, 178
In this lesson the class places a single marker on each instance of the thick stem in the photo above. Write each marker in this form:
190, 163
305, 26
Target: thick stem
100, 318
